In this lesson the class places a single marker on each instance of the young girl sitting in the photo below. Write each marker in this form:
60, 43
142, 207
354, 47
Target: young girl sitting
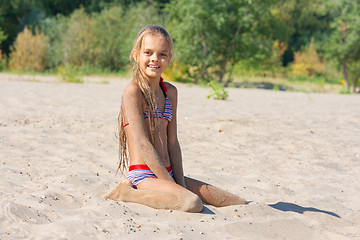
148, 132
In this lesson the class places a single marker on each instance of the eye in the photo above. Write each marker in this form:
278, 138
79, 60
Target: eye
147, 52
164, 54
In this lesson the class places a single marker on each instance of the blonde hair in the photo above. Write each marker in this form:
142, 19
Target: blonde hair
140, 79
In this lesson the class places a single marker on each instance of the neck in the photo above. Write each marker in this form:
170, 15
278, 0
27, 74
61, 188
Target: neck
154, 83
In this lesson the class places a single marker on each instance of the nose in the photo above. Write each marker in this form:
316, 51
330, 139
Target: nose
154, 58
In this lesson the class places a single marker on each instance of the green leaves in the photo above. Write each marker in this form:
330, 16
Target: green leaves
217, 91
101, 40
343, 44
211, 38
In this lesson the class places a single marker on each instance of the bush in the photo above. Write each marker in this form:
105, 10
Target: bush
177, 72
107, 47
56, 29
307, 62
29, 51
77, 44
102, 40
69, 74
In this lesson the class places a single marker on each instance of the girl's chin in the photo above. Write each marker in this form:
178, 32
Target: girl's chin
153, 74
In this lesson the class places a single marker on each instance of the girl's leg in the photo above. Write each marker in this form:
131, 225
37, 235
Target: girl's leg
213, 195
157, 193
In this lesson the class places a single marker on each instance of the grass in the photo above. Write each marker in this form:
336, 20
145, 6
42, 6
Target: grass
285, 84
81, 71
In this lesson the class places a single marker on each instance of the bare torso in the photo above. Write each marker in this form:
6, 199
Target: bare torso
160, 138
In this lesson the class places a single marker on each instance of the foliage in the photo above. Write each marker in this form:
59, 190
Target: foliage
344, 90
217, 91
343, 44
77, 45
56, 29
3, 61
108, 50
29, 51
212, 41
69, 74
212, 38
101, 40
16, 14
114, 30
354, 74
177, 72
301, 21
3, 36
307, 62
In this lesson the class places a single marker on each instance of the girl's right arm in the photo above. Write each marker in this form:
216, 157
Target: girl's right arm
133, 106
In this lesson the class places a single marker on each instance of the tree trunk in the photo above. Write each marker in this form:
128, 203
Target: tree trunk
230, 74
204, 68
204, 72
223, 70
355, 82
230, 50
346, 75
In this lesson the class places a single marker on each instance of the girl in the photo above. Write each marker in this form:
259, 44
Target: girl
147, 126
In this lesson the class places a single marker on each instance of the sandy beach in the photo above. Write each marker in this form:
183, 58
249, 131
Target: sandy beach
295, 156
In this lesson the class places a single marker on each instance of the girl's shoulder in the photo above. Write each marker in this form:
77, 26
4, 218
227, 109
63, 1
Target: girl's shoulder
171, 89
132, 90
172, 93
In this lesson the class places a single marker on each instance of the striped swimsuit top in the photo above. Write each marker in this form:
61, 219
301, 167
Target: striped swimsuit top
167, 114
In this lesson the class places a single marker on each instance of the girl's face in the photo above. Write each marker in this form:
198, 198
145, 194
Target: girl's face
154, 56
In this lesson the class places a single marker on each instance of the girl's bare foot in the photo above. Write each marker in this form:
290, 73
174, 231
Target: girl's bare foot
121, 190
238, 201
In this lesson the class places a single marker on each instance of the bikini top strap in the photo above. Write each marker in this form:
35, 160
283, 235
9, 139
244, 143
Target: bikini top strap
162, 86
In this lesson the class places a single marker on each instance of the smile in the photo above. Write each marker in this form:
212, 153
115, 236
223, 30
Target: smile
153, 67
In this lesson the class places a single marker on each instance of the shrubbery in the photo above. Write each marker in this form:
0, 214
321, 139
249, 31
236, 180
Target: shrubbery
29, 51
307, 62
212, 41
100, 40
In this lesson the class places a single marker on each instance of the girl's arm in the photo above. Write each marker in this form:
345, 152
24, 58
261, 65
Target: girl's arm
173, 143
133, 106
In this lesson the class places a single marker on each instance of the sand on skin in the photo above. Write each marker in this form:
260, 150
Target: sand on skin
294, 155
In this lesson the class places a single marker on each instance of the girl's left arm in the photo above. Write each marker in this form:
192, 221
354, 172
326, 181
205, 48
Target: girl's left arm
172, 139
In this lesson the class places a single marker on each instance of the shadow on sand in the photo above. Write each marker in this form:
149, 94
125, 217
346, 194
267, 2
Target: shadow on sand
206, 210
263, 85
291, 207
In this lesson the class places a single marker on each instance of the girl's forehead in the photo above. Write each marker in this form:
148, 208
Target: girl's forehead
155, 42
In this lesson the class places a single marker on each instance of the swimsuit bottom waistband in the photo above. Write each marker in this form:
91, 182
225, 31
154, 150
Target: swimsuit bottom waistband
144, 166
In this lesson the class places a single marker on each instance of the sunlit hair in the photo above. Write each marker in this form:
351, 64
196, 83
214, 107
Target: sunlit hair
140, 78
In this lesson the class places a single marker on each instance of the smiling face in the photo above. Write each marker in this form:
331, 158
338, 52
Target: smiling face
154, 56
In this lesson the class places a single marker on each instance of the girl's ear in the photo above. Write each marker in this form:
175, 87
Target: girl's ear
135, 57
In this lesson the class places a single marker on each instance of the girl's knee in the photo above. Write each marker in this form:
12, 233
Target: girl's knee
192, 203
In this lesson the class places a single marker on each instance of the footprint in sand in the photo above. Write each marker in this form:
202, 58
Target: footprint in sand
61, 201
17, 212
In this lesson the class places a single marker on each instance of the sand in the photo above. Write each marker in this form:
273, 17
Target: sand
295, 156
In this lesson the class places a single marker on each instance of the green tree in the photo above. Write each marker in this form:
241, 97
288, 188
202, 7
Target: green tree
56, 29
114, 30
343, 44
211, 38
101, 40
302, 21
11, 16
